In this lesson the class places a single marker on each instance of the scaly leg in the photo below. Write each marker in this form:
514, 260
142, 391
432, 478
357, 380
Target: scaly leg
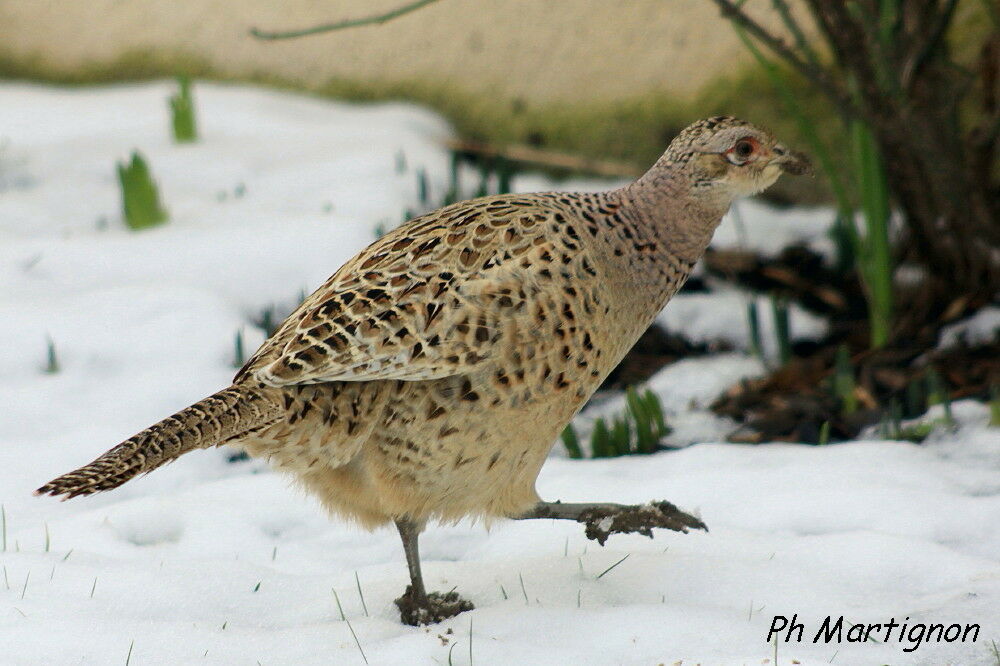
416, 607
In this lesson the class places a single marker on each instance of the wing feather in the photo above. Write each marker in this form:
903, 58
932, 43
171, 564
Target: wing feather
433, 299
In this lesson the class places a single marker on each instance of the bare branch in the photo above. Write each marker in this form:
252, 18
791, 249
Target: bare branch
817, 75
913, 63
531, 156
801, 43
377, 19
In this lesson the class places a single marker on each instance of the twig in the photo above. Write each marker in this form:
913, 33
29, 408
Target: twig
914, 63
817, 75
376, 19
545, 158
793, 27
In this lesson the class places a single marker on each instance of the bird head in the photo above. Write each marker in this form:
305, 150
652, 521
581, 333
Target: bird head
731, 157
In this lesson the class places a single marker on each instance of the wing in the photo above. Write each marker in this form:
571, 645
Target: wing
434, 298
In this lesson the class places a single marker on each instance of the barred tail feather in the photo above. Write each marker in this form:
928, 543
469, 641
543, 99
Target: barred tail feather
229, 414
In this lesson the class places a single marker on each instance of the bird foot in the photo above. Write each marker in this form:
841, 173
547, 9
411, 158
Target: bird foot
417, 610
603, 521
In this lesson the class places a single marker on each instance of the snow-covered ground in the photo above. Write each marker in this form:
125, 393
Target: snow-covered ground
209, 562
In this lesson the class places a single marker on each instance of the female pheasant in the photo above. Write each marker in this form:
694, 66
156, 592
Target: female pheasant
429, 377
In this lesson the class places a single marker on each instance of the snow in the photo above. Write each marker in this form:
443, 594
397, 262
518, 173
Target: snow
981, 328
720, 316
211, 562
765, 229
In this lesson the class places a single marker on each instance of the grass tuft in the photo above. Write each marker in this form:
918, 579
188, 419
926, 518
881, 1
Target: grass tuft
843, 381
637, 431
51, 358
239, 356
141, 206
756, 341
571, 442
782, 328
182, 112
995, 405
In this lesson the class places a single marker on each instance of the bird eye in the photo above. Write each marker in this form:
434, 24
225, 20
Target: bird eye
743, 149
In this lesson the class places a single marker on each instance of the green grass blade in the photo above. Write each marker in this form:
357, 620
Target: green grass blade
571, 441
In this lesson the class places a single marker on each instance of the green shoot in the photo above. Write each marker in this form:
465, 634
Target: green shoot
756, 348
843, 381
782, 330
239, 357
266, 321
871, 255
182, 112
601, 575
915, 399
339, 607
52, 360
937, 394
655, 409
824, 433
454, 187
994, 407
637, 431
621, 436
571, 442
423, 188
400, 162
504, 174
140, 197
484, 180
875, 263
600, 440
361, 594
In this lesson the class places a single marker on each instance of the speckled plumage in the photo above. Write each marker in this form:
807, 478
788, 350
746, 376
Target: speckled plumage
430, 375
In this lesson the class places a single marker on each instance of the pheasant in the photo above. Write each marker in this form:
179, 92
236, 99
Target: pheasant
429, 377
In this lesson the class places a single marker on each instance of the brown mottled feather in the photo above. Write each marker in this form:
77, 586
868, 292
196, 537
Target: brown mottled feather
430, 375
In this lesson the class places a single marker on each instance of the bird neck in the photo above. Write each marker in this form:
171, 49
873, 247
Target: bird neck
666, 207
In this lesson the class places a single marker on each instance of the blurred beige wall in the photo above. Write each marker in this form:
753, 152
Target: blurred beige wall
536, 51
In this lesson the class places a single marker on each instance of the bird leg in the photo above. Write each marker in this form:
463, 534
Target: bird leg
416, 606
604, 519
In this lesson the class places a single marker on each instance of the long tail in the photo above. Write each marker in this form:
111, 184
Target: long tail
229, 414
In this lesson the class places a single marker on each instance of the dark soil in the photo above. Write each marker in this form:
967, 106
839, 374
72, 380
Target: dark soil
435, 608
601, 523
795, 401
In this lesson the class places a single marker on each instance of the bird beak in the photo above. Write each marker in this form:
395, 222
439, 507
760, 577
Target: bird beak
790, 161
